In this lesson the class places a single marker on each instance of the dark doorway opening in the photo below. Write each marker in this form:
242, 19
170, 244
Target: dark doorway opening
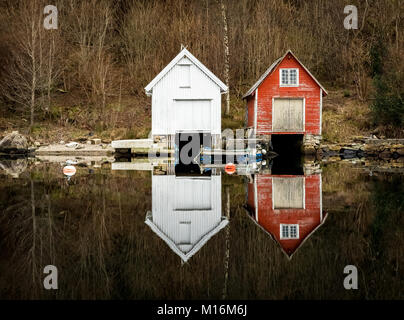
188, 146
289, 150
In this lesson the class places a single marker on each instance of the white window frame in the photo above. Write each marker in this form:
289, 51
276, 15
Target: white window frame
182, 68
288, 226
288, 84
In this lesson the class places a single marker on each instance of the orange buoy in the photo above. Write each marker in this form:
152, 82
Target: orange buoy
230, 168
69, 171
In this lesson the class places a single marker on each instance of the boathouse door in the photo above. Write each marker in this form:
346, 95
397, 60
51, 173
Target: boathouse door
189, 145
192, 115
287, 115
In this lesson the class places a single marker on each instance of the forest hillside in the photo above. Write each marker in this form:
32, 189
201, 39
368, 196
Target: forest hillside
87, 76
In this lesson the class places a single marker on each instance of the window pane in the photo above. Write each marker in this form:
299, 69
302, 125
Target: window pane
293, 232
285, 76
293, 76
285, 232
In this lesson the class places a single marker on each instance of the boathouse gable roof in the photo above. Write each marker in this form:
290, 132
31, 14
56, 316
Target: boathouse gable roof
273, 67
185, 53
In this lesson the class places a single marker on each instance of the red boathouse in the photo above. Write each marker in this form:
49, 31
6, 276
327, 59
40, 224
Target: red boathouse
289, 208
286, 99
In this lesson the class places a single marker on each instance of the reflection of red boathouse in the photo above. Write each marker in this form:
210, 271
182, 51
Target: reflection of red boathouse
289, 208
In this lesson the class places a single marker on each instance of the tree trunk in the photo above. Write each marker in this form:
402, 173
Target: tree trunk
227, 252
33, 82
227, 55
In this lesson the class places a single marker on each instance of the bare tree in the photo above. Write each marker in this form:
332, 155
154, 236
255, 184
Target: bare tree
89, 27
31, 69
226, 54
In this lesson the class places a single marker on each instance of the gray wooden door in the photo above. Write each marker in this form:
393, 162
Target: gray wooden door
287, 115
288, 193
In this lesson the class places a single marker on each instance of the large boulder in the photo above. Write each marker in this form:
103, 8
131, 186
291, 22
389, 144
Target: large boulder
14, 167
14, 143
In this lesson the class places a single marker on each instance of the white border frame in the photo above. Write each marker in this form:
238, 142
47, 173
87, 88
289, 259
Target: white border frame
189, 65
288, 85
321, 109
256, 112
289, 225
256, 197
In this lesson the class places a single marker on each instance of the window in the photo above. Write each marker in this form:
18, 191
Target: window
184, 236
185, 75
289, 77
289, 231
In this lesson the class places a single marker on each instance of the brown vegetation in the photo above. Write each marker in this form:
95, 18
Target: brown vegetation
89, 74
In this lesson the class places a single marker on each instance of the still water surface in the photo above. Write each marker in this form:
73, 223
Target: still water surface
152, 234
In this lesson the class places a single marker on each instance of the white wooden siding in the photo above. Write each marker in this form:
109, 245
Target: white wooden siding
186, 211
192, 194
168, 91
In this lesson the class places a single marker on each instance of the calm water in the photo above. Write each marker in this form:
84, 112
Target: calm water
116, 234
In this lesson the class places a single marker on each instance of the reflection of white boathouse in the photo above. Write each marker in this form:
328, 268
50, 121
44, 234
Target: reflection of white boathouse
186, 211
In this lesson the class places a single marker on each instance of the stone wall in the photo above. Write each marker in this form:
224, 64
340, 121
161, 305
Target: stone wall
365, 147
311, 143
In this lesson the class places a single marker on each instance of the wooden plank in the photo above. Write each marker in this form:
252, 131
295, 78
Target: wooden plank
288, 193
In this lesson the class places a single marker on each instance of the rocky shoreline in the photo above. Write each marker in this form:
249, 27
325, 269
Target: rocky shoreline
361, 147
15, 144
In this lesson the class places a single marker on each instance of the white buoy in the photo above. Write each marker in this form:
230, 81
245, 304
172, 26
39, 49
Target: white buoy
69, 171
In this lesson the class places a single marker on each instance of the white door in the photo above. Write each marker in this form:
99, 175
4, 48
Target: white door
287, 115
191, 115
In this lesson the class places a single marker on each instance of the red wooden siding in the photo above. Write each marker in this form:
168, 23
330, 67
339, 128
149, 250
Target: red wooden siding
269, 88
270, 219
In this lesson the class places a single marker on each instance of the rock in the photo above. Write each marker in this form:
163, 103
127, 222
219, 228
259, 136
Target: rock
309, 150
334, 147
88, 142
61, 142
72, 144
360, 154
348, 153
95, 141
359, 139
14, 167
37, 144
400, 151
14, 143
385, 154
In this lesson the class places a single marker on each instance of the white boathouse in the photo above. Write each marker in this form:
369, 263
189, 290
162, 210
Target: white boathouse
186, 98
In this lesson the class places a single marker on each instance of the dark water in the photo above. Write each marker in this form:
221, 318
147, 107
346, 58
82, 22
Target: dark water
115, 234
